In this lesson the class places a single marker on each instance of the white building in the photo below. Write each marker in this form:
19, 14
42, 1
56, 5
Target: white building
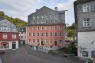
85, 19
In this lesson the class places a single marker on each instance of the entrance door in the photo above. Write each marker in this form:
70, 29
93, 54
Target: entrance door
55, 43
42, 43
13, 45
4, 45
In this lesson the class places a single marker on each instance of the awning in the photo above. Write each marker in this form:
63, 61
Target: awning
4, 42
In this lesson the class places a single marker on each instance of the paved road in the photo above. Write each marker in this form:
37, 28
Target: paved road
26, 55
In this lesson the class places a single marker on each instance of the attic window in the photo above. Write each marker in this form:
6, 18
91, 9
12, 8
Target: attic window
33, 17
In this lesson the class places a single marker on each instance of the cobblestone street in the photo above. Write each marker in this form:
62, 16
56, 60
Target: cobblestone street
26, 55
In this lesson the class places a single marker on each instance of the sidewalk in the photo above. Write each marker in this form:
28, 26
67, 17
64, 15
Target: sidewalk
0, 60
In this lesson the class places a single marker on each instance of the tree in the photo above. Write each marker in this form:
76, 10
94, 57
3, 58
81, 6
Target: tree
72, 49
71, 31
2, 14
16, 21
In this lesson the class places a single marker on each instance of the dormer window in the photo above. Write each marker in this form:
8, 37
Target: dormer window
33, 17
42, 22
5, 28
50, 16
38, 17
86, 8
42, 17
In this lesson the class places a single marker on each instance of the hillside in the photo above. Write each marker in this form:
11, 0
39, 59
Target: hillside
16, 21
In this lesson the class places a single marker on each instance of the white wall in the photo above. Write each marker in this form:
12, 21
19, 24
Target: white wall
84, 40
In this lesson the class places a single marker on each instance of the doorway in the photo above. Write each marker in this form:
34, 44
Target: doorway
55, 43
42, 43
13, 45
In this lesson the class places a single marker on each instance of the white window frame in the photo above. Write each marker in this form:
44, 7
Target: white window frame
51, 41
61, 27
86, 8
60, 34
13, 36
55, 34
33, 17
46, 41
85, 22
60, 41
38, 17
50, 27
4, 36
42, 16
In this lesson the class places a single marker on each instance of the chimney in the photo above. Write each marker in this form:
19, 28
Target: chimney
56, 9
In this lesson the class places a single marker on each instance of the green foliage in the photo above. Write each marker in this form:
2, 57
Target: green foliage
72, 49
71, 31
16, 21
2, 14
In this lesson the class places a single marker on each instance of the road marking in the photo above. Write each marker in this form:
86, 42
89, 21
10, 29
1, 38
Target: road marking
0, 60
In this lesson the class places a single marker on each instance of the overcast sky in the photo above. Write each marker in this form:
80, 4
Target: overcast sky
22, 8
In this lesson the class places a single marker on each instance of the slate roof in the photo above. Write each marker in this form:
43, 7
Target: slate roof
8, 24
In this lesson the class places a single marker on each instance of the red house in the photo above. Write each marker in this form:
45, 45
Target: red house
8, 35
46, 29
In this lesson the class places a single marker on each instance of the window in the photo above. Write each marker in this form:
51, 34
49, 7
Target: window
45, 28
60, 34
86, 8
60, 41
33, 28
46, 41
22, 29
46, 17
37, 22
33, 34
46, 34
55, 34
33, 40
29, 34
50, 27
50, 40
86, 23
55, 27
50, 33
38, 17
33, 17
5, 28
37, 40
46, 21
4, 36
37, 34
93, 54
84, 53
14, 36
42, 16
29, 40
42, 22
61, 27
38, 28
42, 28
50, 16
42, 34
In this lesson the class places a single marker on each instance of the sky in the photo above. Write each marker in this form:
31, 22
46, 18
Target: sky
22, 8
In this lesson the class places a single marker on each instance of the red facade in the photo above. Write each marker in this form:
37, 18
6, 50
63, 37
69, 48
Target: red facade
42, 39
9, 36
